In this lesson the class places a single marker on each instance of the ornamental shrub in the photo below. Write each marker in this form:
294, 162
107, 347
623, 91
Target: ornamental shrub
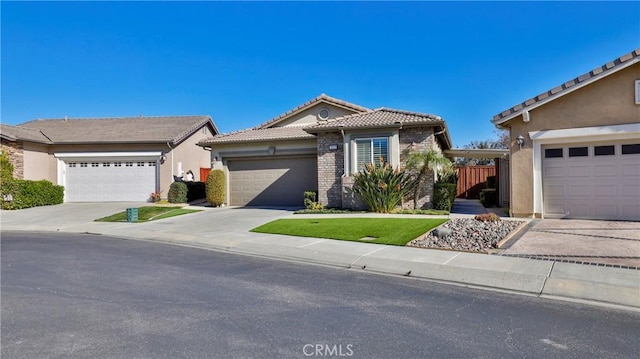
177, 193
27, 194
446, 190
381, 187
310, 201
6, 167
487, 217
216, 187
488, 197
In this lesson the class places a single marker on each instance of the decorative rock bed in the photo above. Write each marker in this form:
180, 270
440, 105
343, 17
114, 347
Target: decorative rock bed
467, 234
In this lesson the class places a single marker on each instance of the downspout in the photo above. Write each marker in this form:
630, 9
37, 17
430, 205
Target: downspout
171, 150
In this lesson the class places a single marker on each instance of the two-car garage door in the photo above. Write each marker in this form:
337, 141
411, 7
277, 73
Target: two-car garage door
592, 181
108, 177
271, 181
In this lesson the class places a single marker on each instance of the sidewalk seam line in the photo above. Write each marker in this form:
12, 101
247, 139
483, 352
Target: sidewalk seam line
544, 283
366, 254
310, 244
450, 259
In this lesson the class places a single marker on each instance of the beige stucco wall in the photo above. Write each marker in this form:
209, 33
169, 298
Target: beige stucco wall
608, 101
310, 115
39, 163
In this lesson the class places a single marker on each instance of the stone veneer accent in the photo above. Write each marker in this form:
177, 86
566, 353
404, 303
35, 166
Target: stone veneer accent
336, 191
419, 139
16, 156
330, 169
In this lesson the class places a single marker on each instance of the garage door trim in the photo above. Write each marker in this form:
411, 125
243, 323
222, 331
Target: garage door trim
568, 136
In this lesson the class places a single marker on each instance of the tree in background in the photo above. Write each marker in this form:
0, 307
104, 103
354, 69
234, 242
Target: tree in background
501, 142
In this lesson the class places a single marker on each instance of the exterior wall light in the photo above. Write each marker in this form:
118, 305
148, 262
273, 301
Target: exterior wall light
520, 141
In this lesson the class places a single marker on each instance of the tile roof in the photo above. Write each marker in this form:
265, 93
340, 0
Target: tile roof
591, 76
143, 129
257, 135
381, 117
13, 133
321, 98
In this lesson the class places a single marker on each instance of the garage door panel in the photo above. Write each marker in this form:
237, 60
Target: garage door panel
271, 182
596, 187
105, 181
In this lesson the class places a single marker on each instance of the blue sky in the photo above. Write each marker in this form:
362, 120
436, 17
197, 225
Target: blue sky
245, 62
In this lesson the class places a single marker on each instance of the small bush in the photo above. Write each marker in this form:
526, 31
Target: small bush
381, 187
177, 193
441, 200
442, 191
487, 217
195, 190
488, 197
449, 177
216, 187
310, 201
26, 194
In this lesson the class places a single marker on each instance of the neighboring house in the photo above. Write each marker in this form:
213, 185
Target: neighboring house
580, 146
108, 159
319, 146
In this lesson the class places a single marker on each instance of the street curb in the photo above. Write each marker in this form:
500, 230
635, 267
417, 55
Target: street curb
545, 279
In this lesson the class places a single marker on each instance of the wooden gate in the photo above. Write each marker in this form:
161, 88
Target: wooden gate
471, 180
204, 173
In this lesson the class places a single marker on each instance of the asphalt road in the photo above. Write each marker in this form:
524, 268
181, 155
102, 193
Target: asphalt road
87, 296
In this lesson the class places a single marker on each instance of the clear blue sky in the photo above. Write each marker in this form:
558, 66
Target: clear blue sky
244, 63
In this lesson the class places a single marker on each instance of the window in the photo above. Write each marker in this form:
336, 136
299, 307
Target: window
553, 152
72, 164
95, 164
371, 150
117, 164
83, 164
106, 164
631, 149
578, 151
604, 150
140, 164
129, 164
152, 164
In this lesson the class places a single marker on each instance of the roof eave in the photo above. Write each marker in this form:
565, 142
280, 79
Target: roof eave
499, 122
260, 140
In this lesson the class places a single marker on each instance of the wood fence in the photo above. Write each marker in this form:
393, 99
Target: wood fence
471, 180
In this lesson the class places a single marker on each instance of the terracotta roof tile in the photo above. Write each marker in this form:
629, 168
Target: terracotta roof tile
558, 91
257, 135
146, 129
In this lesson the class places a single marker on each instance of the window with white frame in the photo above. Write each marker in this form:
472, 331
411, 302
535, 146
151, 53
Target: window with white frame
371, 150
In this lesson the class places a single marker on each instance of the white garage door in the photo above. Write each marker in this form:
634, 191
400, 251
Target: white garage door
107, 180
592, 181
272, 182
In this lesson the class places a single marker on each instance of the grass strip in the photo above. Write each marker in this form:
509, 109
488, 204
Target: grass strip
148, 213
393, 231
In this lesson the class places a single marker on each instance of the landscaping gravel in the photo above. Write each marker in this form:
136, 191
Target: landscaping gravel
467, 234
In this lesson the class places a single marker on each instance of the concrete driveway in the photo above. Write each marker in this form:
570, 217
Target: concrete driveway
573, 240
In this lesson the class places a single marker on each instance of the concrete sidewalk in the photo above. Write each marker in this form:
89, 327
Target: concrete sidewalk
227, 229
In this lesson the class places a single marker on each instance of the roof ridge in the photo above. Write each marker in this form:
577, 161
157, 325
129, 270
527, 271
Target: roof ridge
314, 100
429, 115
597, 72
107, 118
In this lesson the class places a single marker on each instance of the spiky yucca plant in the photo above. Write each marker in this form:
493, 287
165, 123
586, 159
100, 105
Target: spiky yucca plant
381, 187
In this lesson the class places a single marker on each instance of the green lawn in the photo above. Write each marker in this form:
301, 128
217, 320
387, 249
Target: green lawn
150, 213
395, 231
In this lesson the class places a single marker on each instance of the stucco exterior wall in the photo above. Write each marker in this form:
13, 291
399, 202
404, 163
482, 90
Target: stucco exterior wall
39, 163
310, 115
16, 156
608, 101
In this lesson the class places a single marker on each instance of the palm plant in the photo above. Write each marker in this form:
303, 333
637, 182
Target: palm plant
423, 162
